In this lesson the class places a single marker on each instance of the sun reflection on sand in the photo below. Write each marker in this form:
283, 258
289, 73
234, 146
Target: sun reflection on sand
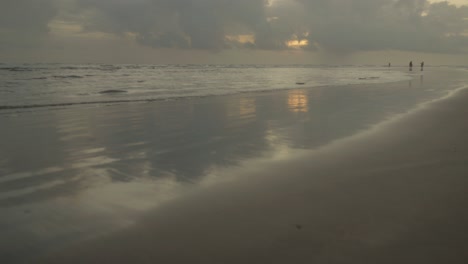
298, 101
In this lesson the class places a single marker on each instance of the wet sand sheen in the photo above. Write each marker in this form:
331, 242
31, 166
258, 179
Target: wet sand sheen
394, 194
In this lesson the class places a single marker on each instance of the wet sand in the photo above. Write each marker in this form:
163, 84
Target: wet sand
393, 194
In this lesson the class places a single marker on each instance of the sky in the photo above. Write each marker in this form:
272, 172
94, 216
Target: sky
234, 31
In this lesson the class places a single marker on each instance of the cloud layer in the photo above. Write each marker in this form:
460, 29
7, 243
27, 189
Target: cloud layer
23, 22
331, 25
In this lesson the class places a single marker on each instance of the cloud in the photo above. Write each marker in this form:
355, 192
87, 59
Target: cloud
28, 15
362, 25
334, 26
199, 24
23, 22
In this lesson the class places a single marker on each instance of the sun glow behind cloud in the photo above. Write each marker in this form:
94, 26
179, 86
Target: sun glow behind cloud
246, 39
297, 44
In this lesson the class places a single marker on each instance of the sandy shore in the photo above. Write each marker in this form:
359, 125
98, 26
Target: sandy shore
396, 193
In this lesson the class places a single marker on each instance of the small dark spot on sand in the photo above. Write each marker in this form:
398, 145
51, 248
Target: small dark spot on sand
300, 83
298, 226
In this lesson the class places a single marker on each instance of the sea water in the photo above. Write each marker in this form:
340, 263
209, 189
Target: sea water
48, 85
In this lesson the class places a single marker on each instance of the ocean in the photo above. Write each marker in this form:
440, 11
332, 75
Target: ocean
47, 85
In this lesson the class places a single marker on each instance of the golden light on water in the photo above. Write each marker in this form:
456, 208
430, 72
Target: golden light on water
298, 101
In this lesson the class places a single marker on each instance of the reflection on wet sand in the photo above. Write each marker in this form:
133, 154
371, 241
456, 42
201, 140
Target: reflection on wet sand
247, 106
375, 207
298, 101
240, 111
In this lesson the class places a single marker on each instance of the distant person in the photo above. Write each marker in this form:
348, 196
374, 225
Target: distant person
422, 66
411, 65
389, 65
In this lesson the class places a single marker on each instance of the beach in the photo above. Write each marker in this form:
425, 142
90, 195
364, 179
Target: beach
343, 174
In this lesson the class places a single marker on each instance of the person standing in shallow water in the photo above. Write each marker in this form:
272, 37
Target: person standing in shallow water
422, 66
411, 65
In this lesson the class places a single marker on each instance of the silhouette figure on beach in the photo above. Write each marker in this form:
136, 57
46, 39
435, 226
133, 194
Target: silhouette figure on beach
411, 65
422, 66
389, 65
